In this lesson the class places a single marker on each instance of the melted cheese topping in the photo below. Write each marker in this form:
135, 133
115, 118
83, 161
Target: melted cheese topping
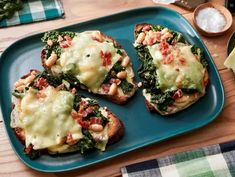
84, 56
101, 138
46, 121
175, 74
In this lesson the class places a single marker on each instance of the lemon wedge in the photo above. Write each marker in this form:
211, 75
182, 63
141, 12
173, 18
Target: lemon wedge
230, 61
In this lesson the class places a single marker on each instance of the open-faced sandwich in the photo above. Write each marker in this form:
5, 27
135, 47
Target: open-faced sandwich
50, 116
173, 72
97, 61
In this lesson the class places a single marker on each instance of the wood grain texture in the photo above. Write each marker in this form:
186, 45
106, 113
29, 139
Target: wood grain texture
75, 11
220, 130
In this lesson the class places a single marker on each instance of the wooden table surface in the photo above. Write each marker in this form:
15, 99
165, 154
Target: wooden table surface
221, 130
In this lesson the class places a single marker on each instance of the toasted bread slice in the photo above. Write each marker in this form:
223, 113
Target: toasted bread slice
98, 62
50, 116
173, 72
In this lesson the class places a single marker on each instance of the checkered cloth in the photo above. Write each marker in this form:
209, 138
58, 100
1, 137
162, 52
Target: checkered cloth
35, 10
211, 161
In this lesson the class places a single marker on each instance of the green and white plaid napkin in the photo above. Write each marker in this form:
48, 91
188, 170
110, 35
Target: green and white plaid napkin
211, 161
35, 10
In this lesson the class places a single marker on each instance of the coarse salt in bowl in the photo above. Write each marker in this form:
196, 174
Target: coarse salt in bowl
212, 19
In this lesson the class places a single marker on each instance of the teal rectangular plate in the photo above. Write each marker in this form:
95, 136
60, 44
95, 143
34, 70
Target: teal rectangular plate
142, 127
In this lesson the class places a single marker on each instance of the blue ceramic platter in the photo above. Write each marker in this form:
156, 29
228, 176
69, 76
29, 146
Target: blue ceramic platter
142, 128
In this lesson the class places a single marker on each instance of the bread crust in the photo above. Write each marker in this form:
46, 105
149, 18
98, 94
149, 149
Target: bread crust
172, 108
118, 99
116, 128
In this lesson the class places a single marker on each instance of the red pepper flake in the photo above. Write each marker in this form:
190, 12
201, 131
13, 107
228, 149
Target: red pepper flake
177, 94
106, 57
41, 83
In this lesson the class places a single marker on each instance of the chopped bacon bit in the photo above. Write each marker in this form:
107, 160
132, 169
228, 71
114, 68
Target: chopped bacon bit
146, 28
67, 38
183, 61
41, 83
69, 138
164, 48
158, 36
65, 42
177, 94
28, 149
169, 59
164, 52
150, 41
84, 113
163, 45
106, 57
76, 115
89, 109
84, 124
167, 35
105, 88
95, 120
152, 37
83, 103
